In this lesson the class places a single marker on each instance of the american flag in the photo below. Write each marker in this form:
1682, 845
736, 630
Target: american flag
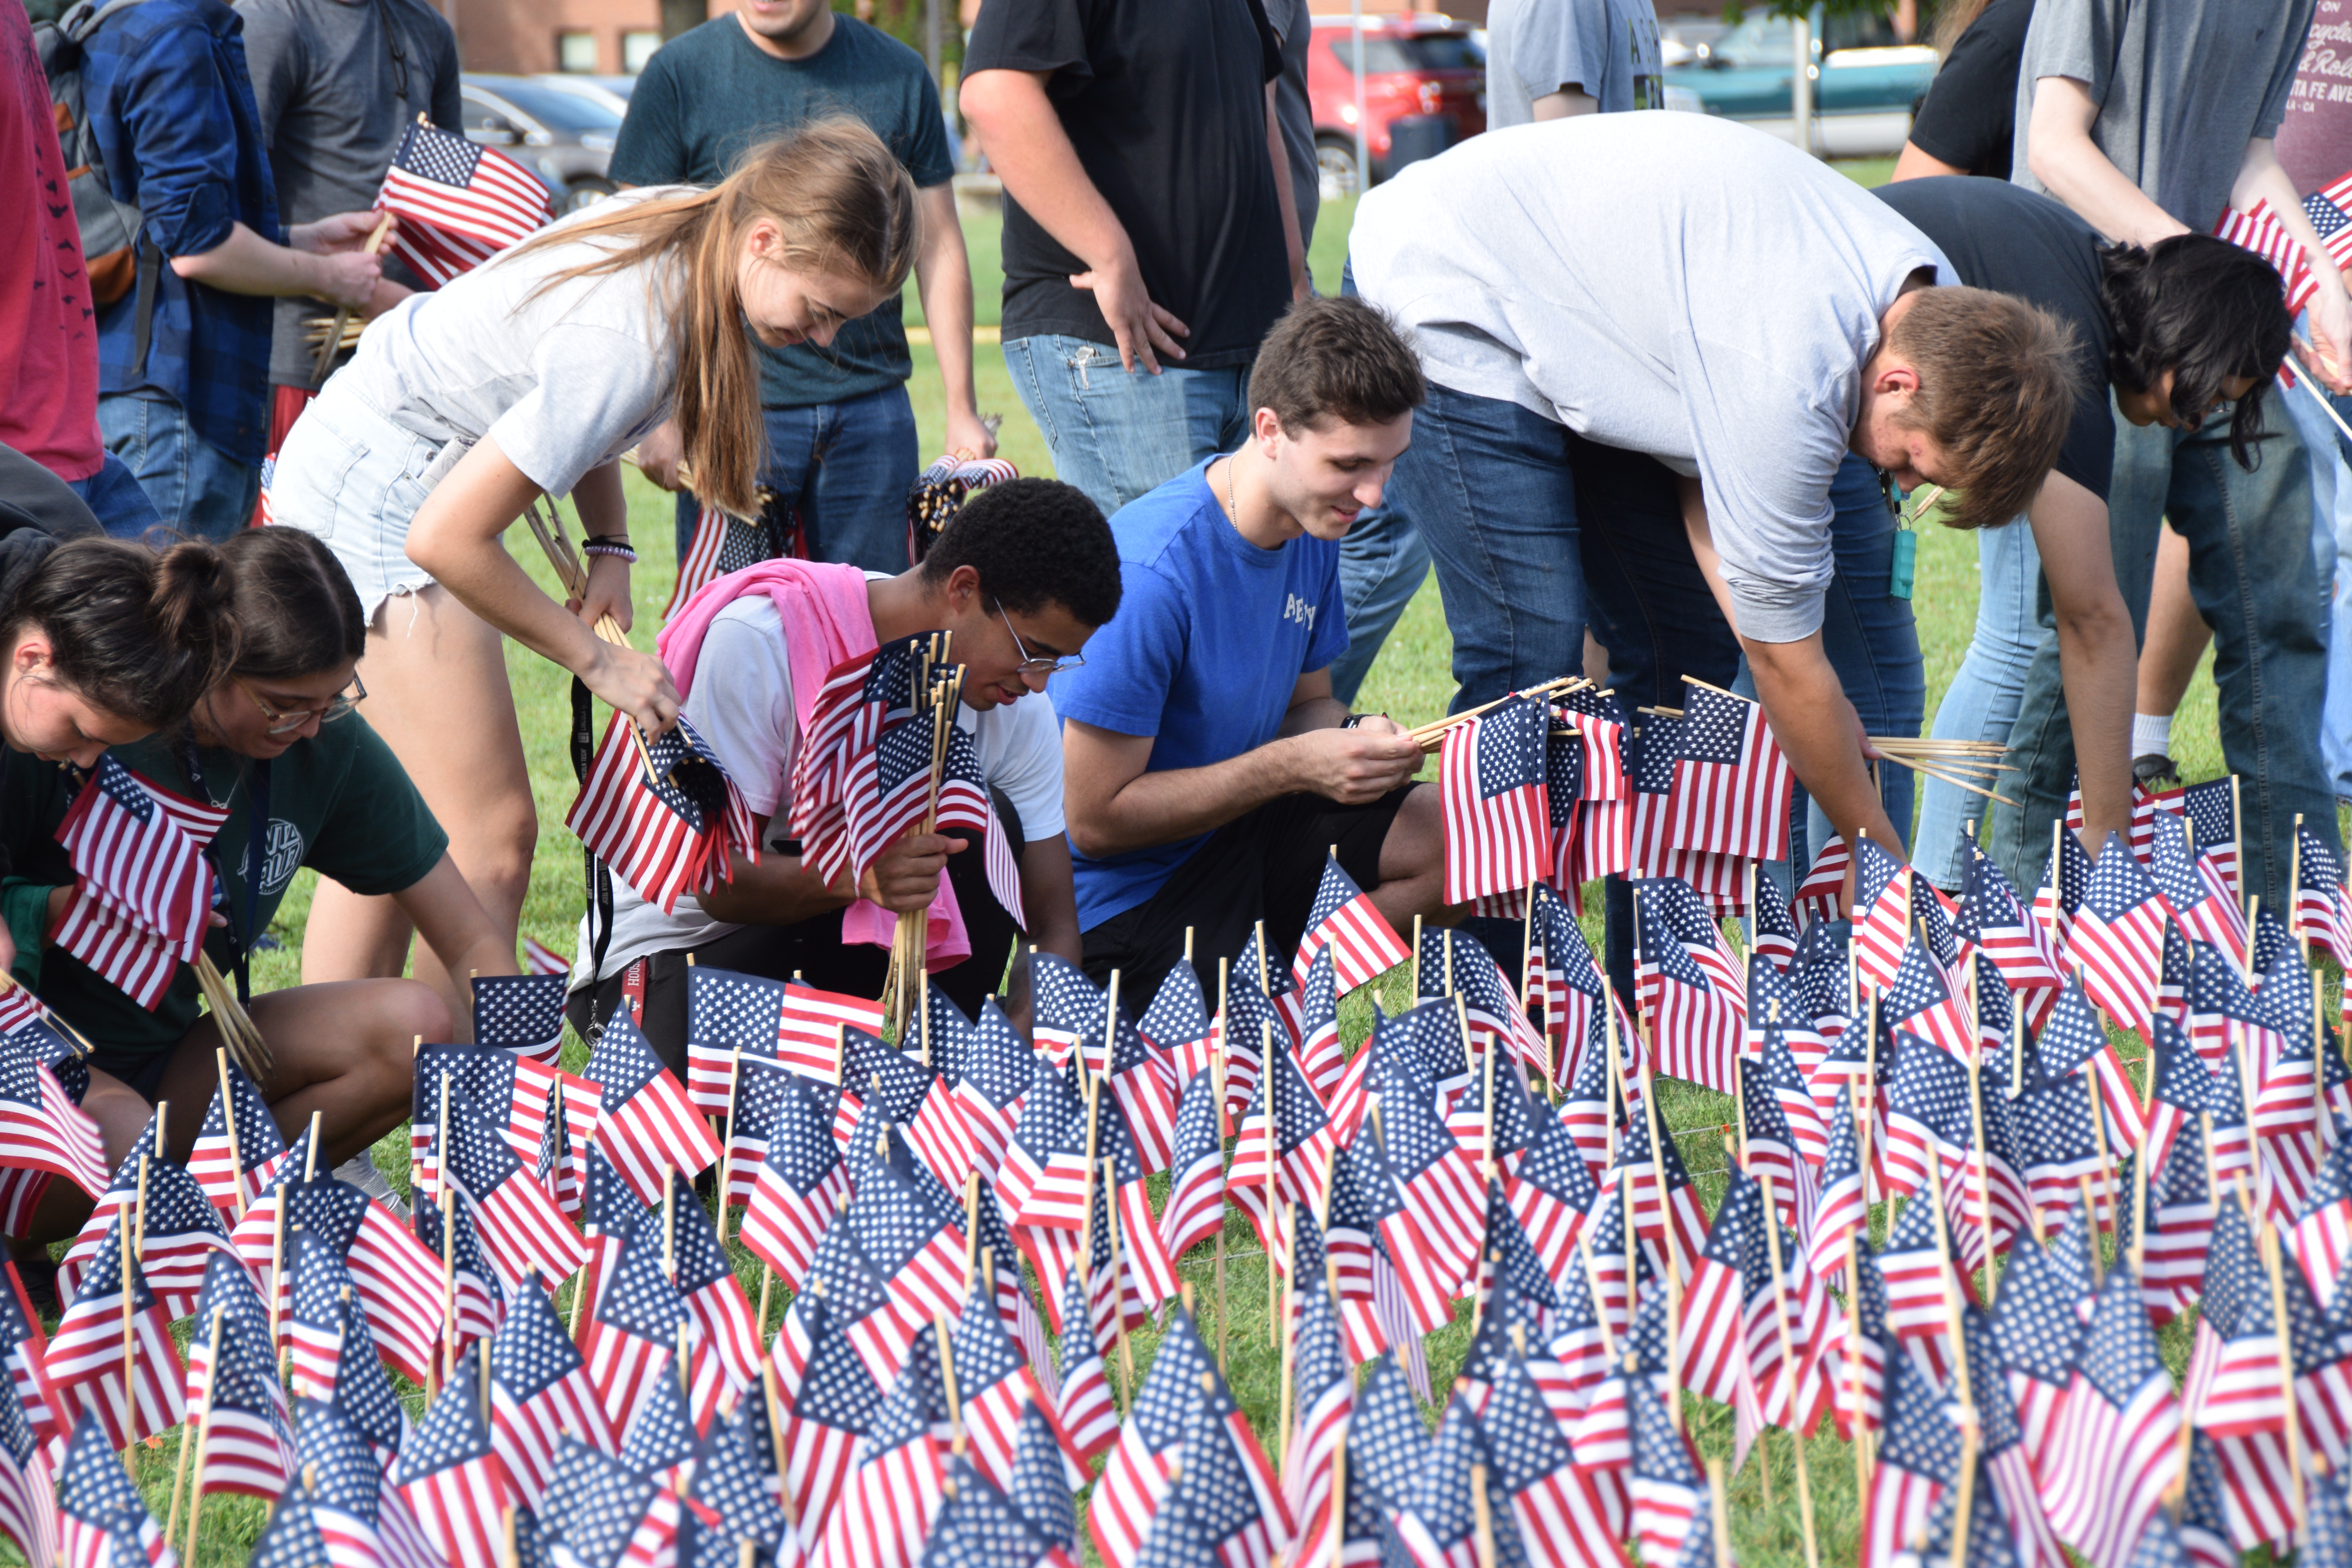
1559, 1518
521, 1013
1040, 1485
2038, 1328
510, 1090
1713, 1342
722, 545
1673, 1515
634, 1327
1042, 1179
731, 1485
391, 1274
134, 1389
1694, 999
996, 1387
1919, 998
802, 1180
1732, 784
1919, 1459
292, 1538
1564, 796
1551, 1191
979, 1526
1917, 1267
706, 1281
2056, 1137
2118, 937
1083, 1408
1196, 1183
102, 1519
1652, 752
1995, 920
1225, 1487
2231, 1388
142, 887
1665, 1201
2114, 1452
2258, 229
912, 1240
1066, 1008
646, 1124
1135, 1477
2212, 812
2064, 879
1821, 895
1840, 1212
1344, 917
27, 1494
1296, 1139
1319, 1054
237, 1119
2073, 1038
992, 1082
2180, 1088
662, 813
1388, 1453
609, 1516
1563, 977
826, 1398
1177, 1022
248, 1433
2197, 897
1325, 1401
2322, 915
659, 1442
458, 203
312, 1329
1497, 810
1141, 1081
862, 697
518, 1224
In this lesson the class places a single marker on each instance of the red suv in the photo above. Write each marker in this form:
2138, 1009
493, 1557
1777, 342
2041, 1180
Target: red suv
1413, 64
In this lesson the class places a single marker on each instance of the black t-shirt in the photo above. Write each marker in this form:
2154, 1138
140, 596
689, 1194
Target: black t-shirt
1969, 120
1165, 103
2004, 237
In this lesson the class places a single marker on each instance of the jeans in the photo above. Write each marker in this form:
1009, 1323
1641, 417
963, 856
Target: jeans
2331, 549
1118, 434
114, 497
197, 489
1981, 702
1383, 564
843, 469
2251, 578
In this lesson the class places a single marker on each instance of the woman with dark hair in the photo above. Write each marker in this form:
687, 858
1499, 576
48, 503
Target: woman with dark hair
2171, 332
268, 739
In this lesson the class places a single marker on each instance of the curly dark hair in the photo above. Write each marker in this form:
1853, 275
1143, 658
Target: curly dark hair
1035, 543
2205, 309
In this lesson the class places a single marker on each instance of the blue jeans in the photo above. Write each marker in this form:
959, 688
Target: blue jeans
2331, 549
1981, 702
1382, 565
845, 470
115, 498
2251, 578
1118, 434
198, 489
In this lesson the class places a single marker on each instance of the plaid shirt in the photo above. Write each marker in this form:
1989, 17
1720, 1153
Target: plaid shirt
172, 107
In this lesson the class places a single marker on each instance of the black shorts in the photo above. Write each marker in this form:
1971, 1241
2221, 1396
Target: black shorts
143, 1071
1261, 867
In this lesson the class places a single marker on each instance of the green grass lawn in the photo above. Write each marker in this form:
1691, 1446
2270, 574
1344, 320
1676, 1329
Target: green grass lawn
1410, 680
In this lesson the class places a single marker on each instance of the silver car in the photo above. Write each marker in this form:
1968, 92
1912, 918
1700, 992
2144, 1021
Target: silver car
565, 138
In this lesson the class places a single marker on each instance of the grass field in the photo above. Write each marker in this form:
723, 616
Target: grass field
1410, 681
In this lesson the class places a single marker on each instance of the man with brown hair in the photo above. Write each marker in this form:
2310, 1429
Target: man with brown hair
1207, 770
1665, 355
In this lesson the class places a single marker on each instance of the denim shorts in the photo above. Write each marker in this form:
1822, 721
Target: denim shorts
350, 476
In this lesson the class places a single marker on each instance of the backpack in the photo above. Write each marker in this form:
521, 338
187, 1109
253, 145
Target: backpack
115, 250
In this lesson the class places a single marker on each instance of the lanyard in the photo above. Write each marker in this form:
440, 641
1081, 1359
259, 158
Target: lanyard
256, 841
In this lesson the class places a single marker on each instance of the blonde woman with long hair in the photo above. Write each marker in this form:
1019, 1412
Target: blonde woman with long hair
530, 376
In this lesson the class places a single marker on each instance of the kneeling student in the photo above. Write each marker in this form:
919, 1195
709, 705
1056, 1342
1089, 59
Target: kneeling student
1021, 576
271, 739
1211, 769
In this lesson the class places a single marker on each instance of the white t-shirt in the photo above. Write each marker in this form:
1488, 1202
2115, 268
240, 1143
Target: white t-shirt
562, 382
1671, 284
742, 704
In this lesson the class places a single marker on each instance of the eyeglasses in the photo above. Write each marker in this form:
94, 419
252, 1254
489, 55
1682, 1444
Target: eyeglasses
286, 720
1033, 666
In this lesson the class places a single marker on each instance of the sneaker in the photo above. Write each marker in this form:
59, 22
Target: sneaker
2154, 771
360, 1172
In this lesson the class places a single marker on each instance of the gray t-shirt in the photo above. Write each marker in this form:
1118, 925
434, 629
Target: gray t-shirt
2182, 87
1293, 112
334, 100
1672, 284
564, 377
1607, 49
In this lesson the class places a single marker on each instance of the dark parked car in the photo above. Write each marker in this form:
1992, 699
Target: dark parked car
565, 138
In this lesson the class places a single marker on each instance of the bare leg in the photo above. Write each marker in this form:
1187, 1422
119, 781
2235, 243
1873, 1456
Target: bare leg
1412, 864
438, 695
2177, 635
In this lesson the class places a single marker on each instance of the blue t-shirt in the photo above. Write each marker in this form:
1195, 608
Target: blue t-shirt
1210, 637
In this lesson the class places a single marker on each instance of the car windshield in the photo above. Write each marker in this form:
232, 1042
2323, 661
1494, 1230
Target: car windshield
1424, 52
557, 110
1758, 41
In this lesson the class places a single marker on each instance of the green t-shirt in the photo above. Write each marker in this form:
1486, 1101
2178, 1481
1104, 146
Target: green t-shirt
709, 94
340, 803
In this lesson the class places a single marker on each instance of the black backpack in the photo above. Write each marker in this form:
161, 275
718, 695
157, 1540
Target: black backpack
115, 250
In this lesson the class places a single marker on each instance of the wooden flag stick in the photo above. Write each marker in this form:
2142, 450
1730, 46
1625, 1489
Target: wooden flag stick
180, 1475
131, 1224
970, 1232
204, 1441
947, 1376
1481, 1513
334, 339
236, 1155
1720, 1511
1217, 1091
1117, 1294
1337, 1528
726, 1164
1857, 1424
2270, 1249
1289, 1355
1789, 1380
1273, 1214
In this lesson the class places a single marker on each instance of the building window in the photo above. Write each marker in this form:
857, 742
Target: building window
636, 48
575, 51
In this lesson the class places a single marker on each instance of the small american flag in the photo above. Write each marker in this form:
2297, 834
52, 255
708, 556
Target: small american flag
1083, 1405
2065, 878
2191, 891
248, 1436
609, 1516
85, 1364
1177, 1022
800, 1177
1992, 917
238, 1118
721, 546
1820, 896
1559, 1519
1714, 1348
1674, 1520
518, 1224
540, 1390
1040, 1485
1732, 784
2115, 1450
1326, 1388
646, 1124
521, 1013
979, 1527
826, 1407
458, 203
142, 887
2118, 937
1694, 998
2258, 229
706, 1281
1839, 1212
1196, 1208
632, 1337
662, 813
293, 1538
2213, 813
1344, 917
1497, 811
1919, 1458
2323, 916
98, 1510
1135, 1478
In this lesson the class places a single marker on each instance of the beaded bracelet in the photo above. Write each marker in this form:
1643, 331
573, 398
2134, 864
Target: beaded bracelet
617, 552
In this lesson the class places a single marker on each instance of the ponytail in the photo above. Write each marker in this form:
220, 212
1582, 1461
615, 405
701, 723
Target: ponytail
137, 633
843, 203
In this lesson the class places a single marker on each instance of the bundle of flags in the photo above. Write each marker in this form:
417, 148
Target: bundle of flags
662, 813
142, 889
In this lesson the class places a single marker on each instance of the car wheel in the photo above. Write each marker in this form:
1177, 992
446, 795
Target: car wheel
586, 193
1335, 162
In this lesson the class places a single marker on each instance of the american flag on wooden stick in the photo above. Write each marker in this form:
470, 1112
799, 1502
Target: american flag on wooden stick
662, 813
1732, 784
142, 887
458, 203
2258, 229
1344, 917
646, 1124
1497, 810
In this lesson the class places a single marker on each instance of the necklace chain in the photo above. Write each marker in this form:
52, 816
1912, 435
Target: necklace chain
1232, 502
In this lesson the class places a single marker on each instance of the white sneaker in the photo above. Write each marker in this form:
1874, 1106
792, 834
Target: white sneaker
360, 1172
